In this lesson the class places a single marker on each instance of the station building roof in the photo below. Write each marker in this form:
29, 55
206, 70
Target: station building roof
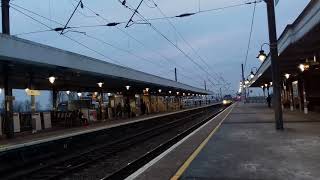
298, 42
29, 60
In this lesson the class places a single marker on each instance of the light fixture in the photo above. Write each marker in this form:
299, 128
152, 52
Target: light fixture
183, 94
262, 56
251, 75
266, 85
27, 89
127, 87
177, 93
159, 90
100, 84
95, 93
188, 94
68, 92
303, 67
147, 89
52, 79
271, 83
192, 94
169, 92
246, 82
109, 94
0, 90
262, 87
79, 94
287, 76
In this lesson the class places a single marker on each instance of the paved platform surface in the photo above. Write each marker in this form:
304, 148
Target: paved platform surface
248, 147
45, 136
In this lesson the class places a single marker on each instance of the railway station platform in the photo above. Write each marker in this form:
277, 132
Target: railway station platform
247, 146
242, 143
52, 135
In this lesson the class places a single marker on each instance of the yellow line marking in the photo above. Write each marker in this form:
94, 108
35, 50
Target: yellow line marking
187, 163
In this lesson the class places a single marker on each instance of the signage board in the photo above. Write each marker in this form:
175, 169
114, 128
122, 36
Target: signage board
33, 93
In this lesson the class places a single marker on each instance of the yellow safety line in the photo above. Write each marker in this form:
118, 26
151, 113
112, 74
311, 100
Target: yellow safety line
187, 163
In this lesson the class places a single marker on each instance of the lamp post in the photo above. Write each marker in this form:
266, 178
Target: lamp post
252, 74
274, 63
101, 109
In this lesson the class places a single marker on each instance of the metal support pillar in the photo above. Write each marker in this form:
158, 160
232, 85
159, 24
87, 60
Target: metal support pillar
291, 98
101, 107
5, 16
8, 112
54, 99
274, 64
305, 103
33, 98
175, 74
243, 84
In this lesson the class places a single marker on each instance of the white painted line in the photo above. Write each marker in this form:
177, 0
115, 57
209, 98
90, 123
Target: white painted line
155, 160
81, 131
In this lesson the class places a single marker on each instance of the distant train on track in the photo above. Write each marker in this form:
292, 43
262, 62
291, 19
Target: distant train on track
198, 101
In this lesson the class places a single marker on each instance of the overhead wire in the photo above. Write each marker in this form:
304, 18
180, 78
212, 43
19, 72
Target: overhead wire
81, 44
186, 42
138, 41
68, 37
250, 36
170, 42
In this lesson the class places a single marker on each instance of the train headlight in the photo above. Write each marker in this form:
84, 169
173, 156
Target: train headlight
224, 102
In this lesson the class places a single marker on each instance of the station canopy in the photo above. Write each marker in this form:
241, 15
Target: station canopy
298, 44
28, 60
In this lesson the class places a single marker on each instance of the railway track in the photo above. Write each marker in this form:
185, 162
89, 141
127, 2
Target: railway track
120, 157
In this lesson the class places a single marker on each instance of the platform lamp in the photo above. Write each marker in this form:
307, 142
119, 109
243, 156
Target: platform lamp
252, 74
262, 56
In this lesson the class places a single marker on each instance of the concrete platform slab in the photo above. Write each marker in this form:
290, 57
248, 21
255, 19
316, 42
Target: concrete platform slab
247, 146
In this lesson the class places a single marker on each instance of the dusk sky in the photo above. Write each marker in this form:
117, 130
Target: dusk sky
219, 37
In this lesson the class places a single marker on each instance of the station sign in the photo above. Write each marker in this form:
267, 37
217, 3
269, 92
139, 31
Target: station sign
33, 93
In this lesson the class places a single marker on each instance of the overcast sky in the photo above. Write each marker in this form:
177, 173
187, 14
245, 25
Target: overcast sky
219, 37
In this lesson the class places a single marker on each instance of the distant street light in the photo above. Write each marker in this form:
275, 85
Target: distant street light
147, 89
100, 84
303, 67
177, 93
252, 74
79, 94
52, 79
68, 92
127, 87
159, 90
287, 76
169, 92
